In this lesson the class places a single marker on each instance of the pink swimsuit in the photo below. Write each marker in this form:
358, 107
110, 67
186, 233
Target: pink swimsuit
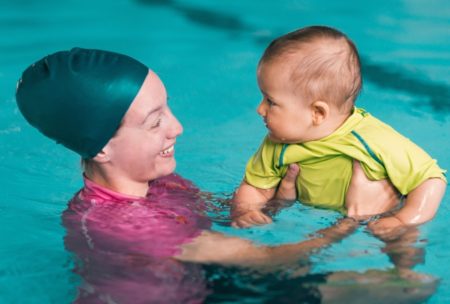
125, 244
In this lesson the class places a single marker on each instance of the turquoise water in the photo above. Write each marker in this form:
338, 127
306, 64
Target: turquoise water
206, 53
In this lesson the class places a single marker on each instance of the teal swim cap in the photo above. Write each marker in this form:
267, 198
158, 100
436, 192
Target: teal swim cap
79, 97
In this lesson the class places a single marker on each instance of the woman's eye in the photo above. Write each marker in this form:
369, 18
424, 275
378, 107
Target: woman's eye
156, 124
270, 102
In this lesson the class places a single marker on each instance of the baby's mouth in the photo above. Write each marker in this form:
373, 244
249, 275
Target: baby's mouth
167, 152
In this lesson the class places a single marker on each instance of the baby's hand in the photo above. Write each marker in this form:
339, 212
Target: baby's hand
387, 228
251, 218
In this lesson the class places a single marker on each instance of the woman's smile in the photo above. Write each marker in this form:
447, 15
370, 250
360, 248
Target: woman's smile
168, 152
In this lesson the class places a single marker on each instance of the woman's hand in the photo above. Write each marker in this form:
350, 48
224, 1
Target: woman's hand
365, 198
287, 189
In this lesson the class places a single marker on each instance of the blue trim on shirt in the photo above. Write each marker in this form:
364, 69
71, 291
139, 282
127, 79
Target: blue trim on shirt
369, 150
280, 160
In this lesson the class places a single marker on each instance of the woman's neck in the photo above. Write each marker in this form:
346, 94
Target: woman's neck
117, 182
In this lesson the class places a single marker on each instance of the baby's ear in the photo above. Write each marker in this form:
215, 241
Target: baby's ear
320, 112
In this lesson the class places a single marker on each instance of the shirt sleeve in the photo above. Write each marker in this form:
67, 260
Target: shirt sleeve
407, 165
262, 170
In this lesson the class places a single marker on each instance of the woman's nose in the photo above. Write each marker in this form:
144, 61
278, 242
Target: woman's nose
175, 127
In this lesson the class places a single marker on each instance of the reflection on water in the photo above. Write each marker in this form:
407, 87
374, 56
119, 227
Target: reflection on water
369, 287
375, 286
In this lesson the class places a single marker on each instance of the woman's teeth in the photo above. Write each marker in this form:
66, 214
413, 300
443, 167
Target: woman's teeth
167, 151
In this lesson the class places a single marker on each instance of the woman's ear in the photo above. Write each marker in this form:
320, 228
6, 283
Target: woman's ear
102, 156
320, 112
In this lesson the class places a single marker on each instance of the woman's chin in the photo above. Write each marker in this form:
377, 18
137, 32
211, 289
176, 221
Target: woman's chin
167, 169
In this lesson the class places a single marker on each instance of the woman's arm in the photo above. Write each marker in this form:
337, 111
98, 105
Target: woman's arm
216, 248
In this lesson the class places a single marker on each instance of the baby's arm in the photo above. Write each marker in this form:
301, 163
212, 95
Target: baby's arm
422, 203
413, 173
248, 200
420, 206
247, 204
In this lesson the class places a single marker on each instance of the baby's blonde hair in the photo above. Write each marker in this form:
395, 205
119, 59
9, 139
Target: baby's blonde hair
326, 65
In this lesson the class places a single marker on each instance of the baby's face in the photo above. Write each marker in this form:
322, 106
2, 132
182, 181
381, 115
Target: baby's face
287, 116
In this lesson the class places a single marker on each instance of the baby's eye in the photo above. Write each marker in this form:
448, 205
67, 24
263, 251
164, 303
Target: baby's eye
270, 102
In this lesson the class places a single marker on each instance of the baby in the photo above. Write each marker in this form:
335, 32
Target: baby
309, 80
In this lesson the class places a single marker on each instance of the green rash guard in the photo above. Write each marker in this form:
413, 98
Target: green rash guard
326, 164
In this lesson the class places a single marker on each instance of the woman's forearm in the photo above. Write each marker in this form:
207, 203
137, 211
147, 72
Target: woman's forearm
216, 248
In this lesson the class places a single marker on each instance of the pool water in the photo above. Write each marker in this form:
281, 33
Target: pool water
206, 54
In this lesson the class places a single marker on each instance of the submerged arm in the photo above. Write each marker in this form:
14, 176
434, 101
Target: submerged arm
216, 248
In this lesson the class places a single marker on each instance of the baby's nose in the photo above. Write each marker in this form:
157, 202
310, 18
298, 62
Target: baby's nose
261, 109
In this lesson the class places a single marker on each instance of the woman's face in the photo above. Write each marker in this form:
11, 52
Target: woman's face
143, 147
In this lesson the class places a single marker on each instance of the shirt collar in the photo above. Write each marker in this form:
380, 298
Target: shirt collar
94, 190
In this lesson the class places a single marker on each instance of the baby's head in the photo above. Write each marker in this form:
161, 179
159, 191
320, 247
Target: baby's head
311, 77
